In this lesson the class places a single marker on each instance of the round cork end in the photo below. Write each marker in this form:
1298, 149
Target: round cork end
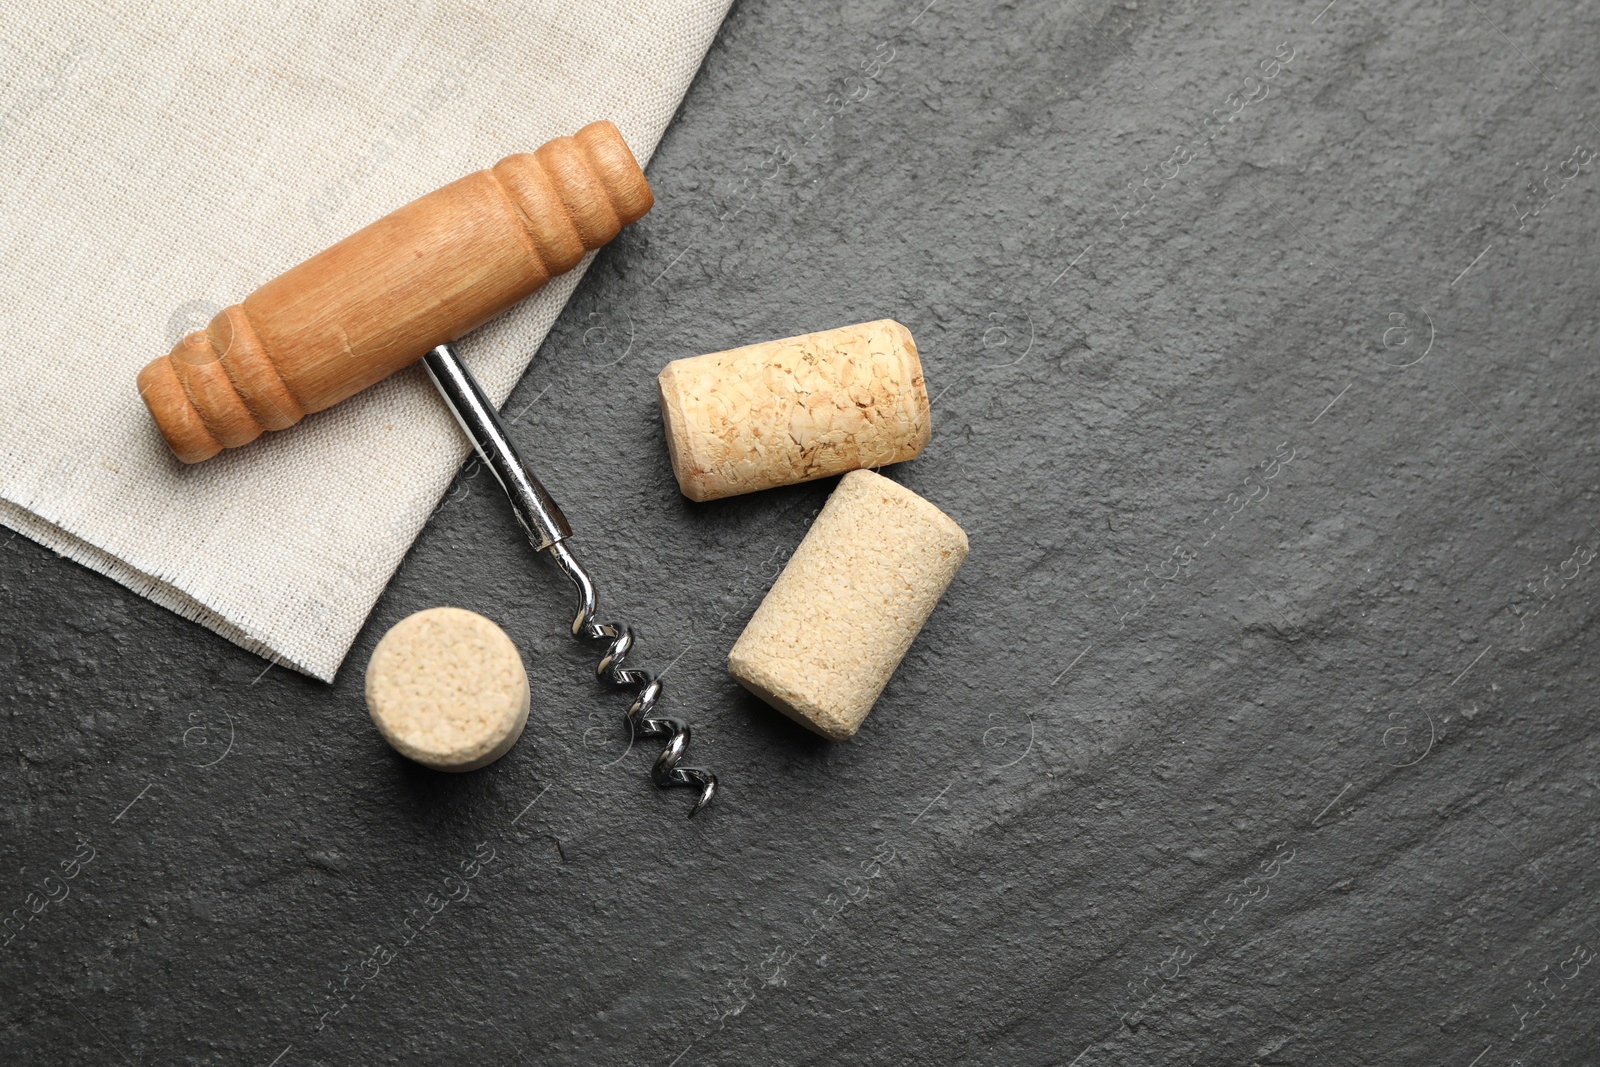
446, 688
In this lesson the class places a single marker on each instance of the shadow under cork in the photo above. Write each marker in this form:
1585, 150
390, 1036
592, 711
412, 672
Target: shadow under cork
444, 799
772, 728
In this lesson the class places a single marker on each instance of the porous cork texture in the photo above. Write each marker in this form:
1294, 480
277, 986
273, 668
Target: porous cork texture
839, 619
789, 411
446, 687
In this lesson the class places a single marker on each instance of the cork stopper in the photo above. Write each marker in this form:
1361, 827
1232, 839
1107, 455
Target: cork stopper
793, 410
446, 687
836, 624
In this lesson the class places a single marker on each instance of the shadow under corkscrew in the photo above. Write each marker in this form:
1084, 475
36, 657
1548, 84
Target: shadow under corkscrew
548, 531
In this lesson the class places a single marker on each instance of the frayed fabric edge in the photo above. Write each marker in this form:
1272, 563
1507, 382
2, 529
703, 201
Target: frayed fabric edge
169, 596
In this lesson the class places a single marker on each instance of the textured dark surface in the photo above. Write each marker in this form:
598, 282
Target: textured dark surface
1208, 756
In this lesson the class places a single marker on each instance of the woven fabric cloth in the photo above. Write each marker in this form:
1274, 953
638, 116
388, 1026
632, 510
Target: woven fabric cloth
158, 162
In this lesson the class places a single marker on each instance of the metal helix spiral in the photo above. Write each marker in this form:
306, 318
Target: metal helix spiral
548, 531
613, 670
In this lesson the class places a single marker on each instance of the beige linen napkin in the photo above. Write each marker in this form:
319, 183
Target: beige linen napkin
160, 161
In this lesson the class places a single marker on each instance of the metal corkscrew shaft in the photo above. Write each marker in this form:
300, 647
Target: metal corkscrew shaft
548, 531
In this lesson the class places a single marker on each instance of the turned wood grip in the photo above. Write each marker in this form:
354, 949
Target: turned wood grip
384, 296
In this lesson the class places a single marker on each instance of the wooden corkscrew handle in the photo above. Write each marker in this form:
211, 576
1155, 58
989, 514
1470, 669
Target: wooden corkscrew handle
384, 296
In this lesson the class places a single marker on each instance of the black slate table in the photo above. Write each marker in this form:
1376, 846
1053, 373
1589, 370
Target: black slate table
1257, 729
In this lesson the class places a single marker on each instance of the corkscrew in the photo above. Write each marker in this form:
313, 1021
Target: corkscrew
547, 529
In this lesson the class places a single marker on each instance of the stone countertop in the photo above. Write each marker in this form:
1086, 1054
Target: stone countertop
1252, 732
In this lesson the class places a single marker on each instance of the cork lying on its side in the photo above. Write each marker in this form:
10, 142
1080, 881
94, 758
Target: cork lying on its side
840, 617
446, 688
789, 411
